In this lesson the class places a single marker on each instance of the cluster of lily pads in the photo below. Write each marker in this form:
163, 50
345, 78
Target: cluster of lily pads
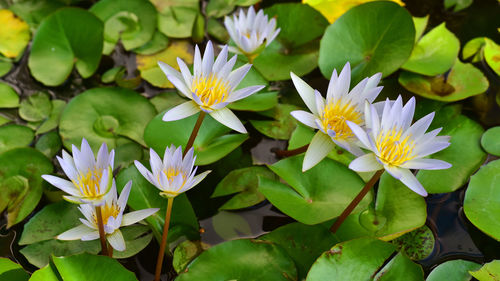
348, 157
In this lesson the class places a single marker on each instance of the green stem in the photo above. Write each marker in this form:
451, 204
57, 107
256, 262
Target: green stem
161, 254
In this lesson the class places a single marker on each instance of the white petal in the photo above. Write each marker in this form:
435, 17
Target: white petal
91, 236
243, 93
133, 217
331, 85
238, 74
341, 88
75, 233
197, 62
365, 163
306, 93
73, 199
407, 113
318, 149
181, 111
226, 117
155, 162
426, 164
102, 157
196, 180
305, 117
62, 184
320, 103
208, 59
221, 60
116, 240
180, 85
87, 155
408, 179
226, 69
418, 128
360, 134
431, 148
186, 74
68, 166
122, 201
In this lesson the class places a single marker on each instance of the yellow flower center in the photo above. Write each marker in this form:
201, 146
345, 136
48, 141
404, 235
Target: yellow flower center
335, 117
88, 183
211, 90
108, 211
394, 150
171, 173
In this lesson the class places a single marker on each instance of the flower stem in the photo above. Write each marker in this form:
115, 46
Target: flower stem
195, 132
161, 254
288, 153
336, 225
102, 235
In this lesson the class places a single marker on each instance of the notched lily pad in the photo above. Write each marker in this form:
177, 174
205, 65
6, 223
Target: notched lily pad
283, 124
489, 272
8, 96
13, 136
418, 244
491, 141
492, 55
36, 107
176, 19
454, 270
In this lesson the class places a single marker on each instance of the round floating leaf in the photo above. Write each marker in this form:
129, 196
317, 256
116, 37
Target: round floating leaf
282, 126
474, 49
217, 30
492, 55
256, 102
12, 271
481, 201
219, 8
137, 237
454, 270
241, 260
14, 34
434, 53
303, 243
5, 67
158, 43
176, 19
230, 226
102, 268
244, 182
67, 37
211, 144
184, 253
34, 11
464, 154
491, 141
463, 81
8, 97
127, 153
111, 115
163, 101
52, 120
418, 244
49, 144
133, 22
420, 25
47, 273
36, 107
148, 64
110, 75
12, 136
22, 164
364, 259
315, 196
489, 272
373, 37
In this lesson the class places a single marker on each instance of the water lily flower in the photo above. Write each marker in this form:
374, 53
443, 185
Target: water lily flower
330, 115
211, 87
251, 32
174, 175
396, 146
90, 178
113, 219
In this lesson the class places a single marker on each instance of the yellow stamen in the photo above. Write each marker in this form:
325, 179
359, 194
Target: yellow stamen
108, 211
171, 173
335, 116
394, 150
211, 90
87, 183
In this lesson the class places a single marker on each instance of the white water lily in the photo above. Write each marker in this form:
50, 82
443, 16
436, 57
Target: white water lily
396, 145
90, 178
330, 115
112, 216
211, 87
175, 174
251, 32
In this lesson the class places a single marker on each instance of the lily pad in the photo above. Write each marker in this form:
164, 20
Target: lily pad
49, 144
418, 244
434, 53
231, 225
14, 35
420, 25
256, 102
492, 55
20, 173
176, 19
8, 96
296, 239
454, 270
315, 196
463, 81
244, 182
491, 141
242, 260
283, 124
464, 154
489, 272
90, 116
148, 64
211, 144
133, 22
47, 273
364, 259
52, 120
67, 37
480, 202
34, 11
184, 253
12, 271
36, 107
13, 136
158, 43
373, 37
217, 30
474, 49
5, 67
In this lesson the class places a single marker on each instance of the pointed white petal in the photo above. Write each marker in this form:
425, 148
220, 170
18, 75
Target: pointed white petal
341, 88
418, 128
208, 59
197, 62
360, 134
237, 75
186, 74
68, 166
221, 60
75, 233
102, 157
122, 201
133, 217
305, 118
426, 164
91, 236
180, 85
320, 103
181, 111
365, 163
116, 240
226, 117
306, 93
62, 184
196, 180
431, 148
243, 93
408, 179
318, 149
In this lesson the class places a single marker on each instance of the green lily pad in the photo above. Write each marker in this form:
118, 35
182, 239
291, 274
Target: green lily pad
242, 260
463, 81
454, 270
5, 67
217, 30
144, 195
52, 121
14, 35
12, 271
373, 37
296, 239
219, 8
36, 107
49, 144
474, 49
299, 23
110, 75
364, 259
127, 153
230, 226
211, 144
20, 172
480, 202
164, 101
158, 43
492, 55
418, 244
244, 182
491, 141
90, 116
67, 37
464, 154
420, 25
133, 22
434, 53
489, 272
8, 96
176, 19
47, 273
184, 253
34, 11
256, 102
315, 196
13, 136
282, 126
103, 268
